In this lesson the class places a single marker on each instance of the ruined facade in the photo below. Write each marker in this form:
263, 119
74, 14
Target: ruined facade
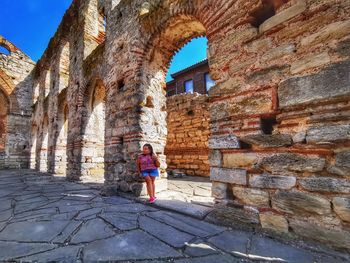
279, 114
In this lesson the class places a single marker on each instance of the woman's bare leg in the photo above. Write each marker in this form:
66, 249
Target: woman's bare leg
149, 185
153, 186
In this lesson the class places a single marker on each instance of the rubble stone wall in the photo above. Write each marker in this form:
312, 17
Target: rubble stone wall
187, 148
16, 110
278, 115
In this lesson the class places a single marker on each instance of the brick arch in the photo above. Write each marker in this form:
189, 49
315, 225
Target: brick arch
8, 45
6, 84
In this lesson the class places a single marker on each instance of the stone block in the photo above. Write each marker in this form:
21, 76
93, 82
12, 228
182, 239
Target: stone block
267, 140
342, 164
236, 160
232, 176
341, 206
325, 184
272, 181
219, 190
215, 158
283, 16
334, 238
230, 86
328, 133
310, 62
300, 203
333, 31
274, 222
292, 162
278, 52
242, 35
250, 196
330, 82
224, 142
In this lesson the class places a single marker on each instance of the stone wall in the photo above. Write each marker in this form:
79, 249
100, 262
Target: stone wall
187, 147
279, 122
16, 90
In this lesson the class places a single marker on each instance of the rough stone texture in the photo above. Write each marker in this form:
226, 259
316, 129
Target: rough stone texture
296, 202
309, 230
341, 206
263, 140
90, 103
342, 164
219, 190
226, 142
292, 162
272, 181
309, 62
232, 176
188, 132
253, 197
328, 133
283, 16
325, 184
274, 222
234, 160
331, 82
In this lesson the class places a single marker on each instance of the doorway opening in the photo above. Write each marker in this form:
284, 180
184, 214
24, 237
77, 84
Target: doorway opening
93, 144
182, 115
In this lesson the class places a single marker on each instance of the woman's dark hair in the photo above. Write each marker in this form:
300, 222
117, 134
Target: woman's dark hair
149, 147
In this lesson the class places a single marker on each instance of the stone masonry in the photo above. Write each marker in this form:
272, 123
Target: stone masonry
187, 148
279, 141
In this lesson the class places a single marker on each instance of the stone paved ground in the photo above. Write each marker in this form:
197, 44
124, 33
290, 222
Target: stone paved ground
45, 218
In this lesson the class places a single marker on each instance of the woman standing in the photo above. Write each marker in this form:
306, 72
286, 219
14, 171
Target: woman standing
148, 164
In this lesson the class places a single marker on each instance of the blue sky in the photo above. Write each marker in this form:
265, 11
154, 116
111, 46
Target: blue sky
30, 24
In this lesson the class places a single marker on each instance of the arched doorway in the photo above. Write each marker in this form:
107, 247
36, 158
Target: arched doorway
93, 130
176, 33
33, 147
43, 161
60, 162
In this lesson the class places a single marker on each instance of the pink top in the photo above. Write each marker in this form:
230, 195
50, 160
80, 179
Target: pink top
147, 163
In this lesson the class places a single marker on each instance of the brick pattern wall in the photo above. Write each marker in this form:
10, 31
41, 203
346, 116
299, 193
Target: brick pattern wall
188, 133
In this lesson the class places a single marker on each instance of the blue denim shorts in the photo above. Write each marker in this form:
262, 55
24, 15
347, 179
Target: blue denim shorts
153, 172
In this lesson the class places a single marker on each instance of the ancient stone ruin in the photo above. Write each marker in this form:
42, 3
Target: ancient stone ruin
278, 129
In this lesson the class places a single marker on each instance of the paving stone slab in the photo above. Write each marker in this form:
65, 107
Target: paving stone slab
132, 245
199, 248
164, 232
88, 213
116, 200
92, 230
5, 215
274, 251
67, 232
11, 250
67, 254
122, 221
234, 242
35, 214
187, 224
194, 210
130, 208
28, 231
210, 259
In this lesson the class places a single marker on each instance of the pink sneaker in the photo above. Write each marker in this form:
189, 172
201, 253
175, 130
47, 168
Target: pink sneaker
152, 200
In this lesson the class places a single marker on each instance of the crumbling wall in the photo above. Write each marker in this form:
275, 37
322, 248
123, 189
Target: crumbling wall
187, 148
16, 86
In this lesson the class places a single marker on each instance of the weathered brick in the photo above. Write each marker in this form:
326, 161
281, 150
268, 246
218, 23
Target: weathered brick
328, 133
266, 140
236, 160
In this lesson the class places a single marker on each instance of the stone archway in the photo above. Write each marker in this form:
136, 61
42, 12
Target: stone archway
93, 133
